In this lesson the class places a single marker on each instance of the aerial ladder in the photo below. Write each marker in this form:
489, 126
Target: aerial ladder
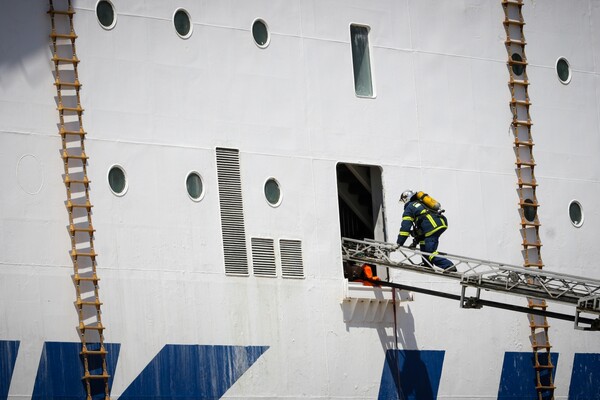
474, 275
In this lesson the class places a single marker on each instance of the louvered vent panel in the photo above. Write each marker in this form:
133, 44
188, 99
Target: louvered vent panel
263, 257
291, 258
232, 212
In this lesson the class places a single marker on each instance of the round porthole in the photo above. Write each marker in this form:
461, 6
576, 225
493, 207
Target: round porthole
517, 68
272, 192
563, 70
182, 22
260, 32
529, 210
576, 213
194, 186
105, 12
117, 180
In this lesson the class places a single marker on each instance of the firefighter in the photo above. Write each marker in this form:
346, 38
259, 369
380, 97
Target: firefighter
426, 226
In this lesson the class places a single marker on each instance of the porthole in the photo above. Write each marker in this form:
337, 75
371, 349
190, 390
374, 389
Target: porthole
182, 23
105, 12
576, 213
272, 192
117, 180
563, 70
194, 186
260, 32
529, 211
517, 68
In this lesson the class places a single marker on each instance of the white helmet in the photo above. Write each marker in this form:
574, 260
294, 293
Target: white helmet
406, 196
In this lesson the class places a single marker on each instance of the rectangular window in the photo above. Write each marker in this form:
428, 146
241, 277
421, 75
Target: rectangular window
359, 37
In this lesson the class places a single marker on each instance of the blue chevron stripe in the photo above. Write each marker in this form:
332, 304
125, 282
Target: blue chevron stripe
186, 372
8, 357
411, 374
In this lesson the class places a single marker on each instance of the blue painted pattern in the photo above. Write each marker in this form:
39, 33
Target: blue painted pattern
8, 357
61, 368
585, 378
411, 374
186, 372
518, 380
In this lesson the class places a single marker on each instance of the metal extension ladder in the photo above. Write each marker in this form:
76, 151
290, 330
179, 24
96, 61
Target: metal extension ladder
583, 293
79, 207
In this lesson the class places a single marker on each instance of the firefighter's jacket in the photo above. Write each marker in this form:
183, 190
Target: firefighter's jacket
425, 221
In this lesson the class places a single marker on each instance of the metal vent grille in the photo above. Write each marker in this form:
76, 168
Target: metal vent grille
291, 258
232, 211
263, 257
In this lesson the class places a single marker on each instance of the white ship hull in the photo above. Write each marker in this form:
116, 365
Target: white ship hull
159, 106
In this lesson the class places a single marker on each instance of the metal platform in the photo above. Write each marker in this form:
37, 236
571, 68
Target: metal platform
583, 293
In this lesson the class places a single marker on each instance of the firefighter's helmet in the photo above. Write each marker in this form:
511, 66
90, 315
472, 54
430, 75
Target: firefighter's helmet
406, 196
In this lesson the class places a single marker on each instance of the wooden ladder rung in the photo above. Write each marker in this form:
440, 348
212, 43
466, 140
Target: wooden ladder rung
509, 21
66, 156
74, 228
84, 181
526, 103
528, 143
515, 41
83, 327
58, 59
512, 2
77, 109
529, 244
523, 123
518, 82
543, 387
93, 352
526, 223
70, 36
532, 184
527, 163
71, 205
63, 132
60, 83
76, 254
95, 303
92, 278
89, 376
62, 12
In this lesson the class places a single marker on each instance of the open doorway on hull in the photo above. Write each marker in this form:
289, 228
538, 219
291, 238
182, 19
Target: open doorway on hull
360, 202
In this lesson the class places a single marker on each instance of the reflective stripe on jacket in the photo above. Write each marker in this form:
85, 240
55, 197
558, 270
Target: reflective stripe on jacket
427, 223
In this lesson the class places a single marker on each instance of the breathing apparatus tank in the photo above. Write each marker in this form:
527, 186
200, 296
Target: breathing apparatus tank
429, 202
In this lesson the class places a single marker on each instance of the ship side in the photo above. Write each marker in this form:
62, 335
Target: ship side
226, 162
